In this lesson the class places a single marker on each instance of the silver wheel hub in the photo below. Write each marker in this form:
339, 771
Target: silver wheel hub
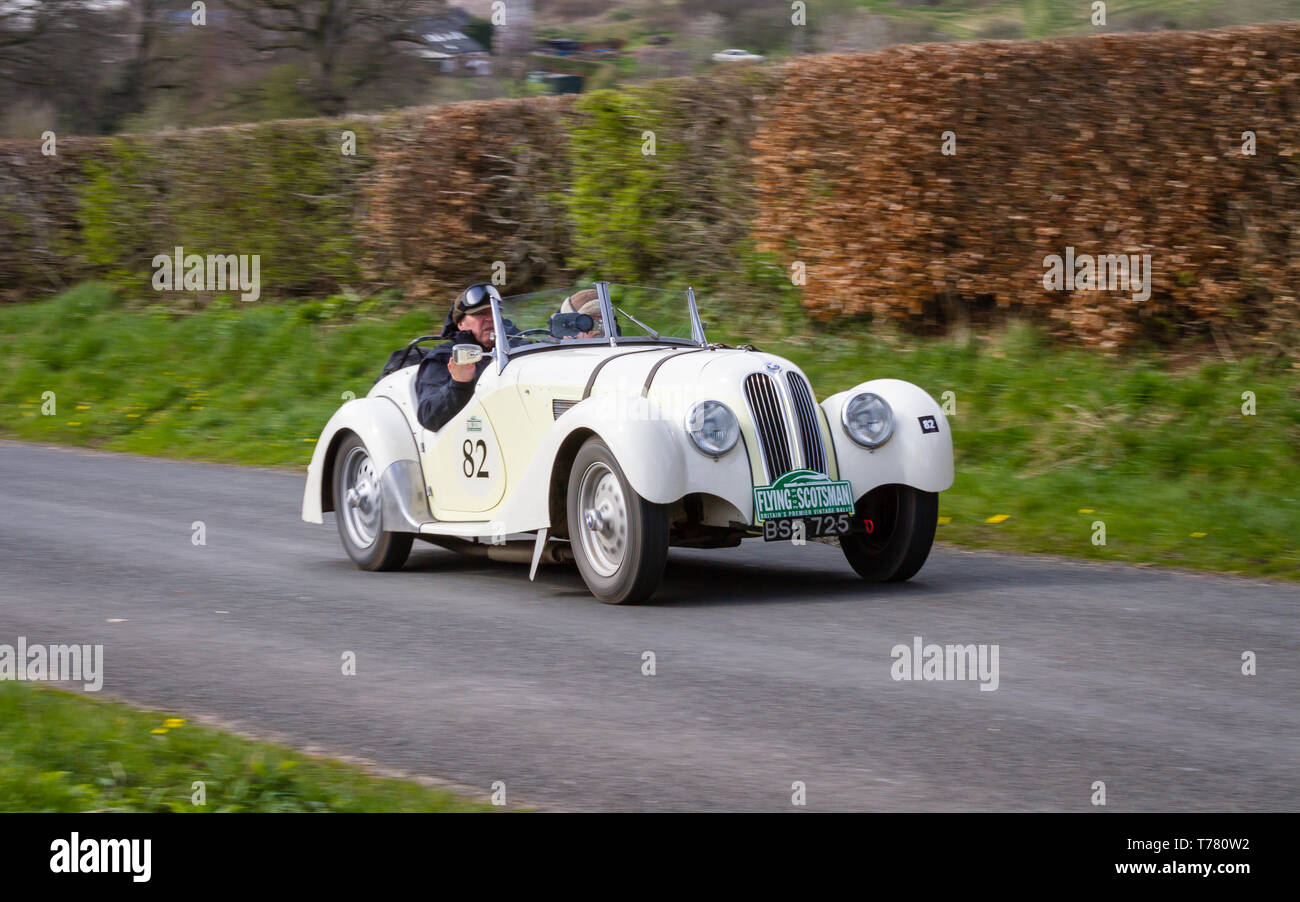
361, 510
605, 518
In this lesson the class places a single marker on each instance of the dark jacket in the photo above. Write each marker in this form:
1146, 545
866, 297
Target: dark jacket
438, 396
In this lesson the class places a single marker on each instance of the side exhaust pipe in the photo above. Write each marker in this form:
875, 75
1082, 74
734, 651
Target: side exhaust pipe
518, 551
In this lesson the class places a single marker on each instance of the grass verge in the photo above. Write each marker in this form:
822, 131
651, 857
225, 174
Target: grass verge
66, 753
1050, 441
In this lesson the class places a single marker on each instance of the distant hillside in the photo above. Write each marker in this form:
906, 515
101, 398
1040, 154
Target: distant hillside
871, 24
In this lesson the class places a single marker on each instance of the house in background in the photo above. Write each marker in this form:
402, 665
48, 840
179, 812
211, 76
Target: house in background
443, 41
560, 46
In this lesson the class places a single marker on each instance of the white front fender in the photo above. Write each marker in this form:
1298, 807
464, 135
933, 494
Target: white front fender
645, 446
380, 424
642, 443
912, 457
653, 452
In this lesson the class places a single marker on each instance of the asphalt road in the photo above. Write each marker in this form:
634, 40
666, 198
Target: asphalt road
773, 662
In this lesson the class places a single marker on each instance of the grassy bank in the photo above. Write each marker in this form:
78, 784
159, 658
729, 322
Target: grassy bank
1050, 440
64, 752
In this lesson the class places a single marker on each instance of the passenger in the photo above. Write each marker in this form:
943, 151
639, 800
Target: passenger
588, 302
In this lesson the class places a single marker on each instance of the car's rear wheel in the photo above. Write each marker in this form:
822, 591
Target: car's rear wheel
901, 521
358, 511
619, 540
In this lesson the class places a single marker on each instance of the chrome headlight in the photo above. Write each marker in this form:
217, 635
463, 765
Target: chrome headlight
868, 419
713, 427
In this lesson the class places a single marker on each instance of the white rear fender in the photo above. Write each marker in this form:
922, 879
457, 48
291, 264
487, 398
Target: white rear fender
912, 456
381, 425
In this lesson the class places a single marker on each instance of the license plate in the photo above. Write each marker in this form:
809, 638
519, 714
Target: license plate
806, 496
785, 528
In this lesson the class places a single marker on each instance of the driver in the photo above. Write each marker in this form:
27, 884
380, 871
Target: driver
588, 302
442, 387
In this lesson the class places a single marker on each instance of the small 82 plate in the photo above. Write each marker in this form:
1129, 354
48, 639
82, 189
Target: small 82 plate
783, 528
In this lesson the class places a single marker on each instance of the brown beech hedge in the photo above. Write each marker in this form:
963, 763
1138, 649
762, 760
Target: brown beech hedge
1116, 145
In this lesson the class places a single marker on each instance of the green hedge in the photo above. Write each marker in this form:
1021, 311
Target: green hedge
431, 198
282, 190
833, 162
687, 206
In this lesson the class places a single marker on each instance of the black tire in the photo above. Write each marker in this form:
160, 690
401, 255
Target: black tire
622, 557
384, 550
903, 523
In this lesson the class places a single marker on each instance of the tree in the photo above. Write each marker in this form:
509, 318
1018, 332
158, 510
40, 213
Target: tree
93, 62
347, 42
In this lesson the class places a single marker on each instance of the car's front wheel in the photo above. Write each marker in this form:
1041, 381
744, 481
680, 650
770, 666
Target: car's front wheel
619, 540
357, 510
899, 522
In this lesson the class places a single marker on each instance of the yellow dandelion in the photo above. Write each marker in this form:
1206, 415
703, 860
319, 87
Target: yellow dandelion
998, 518
1086, 510
83, 407
158, 730
74, 422
173, 722
1198, 535
945, 519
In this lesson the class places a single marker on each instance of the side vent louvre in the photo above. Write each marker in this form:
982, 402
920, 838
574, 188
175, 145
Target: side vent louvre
560, 405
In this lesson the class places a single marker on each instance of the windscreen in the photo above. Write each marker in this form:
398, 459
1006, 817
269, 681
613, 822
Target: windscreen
573, 315
554, 316
641, 311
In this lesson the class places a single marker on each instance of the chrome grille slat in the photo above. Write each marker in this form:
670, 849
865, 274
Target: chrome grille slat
810, 433
802, 418
753, 394
769, 423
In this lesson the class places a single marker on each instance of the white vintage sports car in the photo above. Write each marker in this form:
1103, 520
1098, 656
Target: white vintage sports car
606, 451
